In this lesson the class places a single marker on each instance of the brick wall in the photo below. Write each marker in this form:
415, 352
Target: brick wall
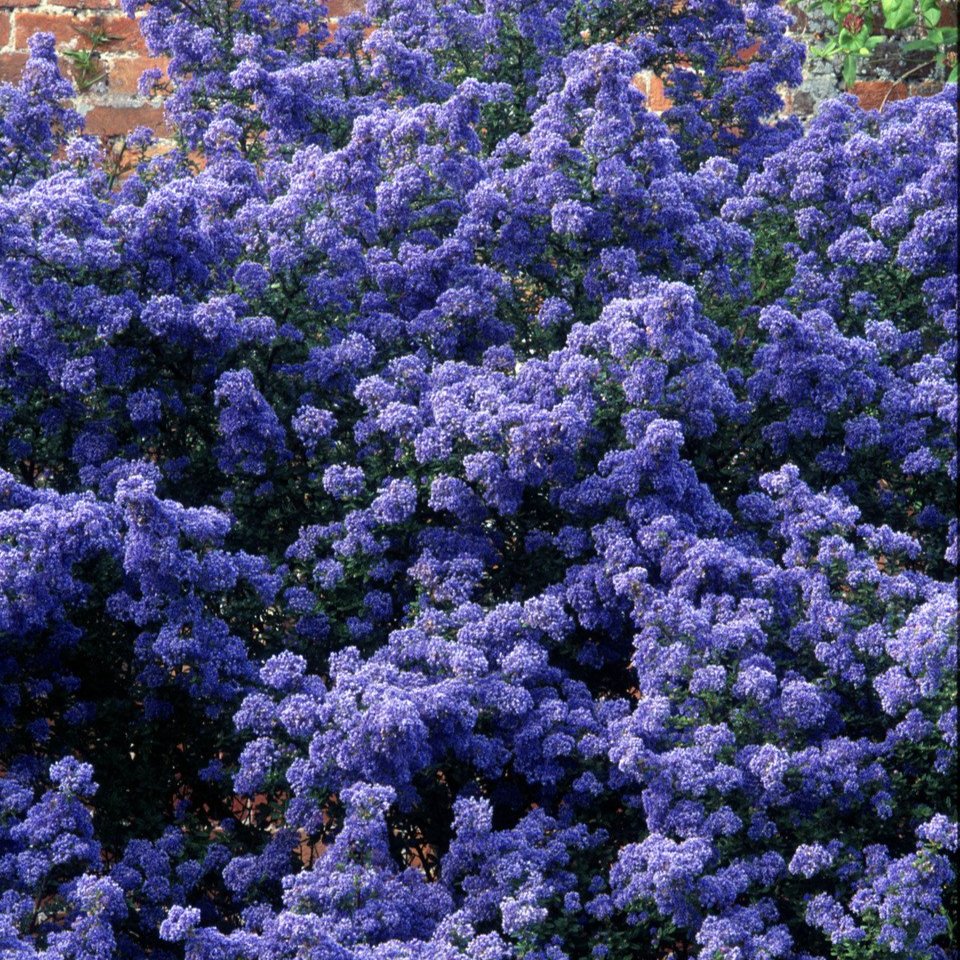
108, 81
107, 69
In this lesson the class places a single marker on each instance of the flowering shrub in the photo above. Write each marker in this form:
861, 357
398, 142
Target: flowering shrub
469, 515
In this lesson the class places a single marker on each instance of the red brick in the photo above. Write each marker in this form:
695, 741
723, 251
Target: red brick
4, 28
124, 74
124, 33
88, 4
872, 94
10, 66
61, 25
71, 29
657, 100
117, 121
19, 3
340, 8
748, 53
639, 80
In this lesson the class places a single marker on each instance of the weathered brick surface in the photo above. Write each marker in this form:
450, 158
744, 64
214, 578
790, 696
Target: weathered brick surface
340, 8
112, 106
873, 94
88, 4
107, 89
61, 25
656, 99
10, 66
113, 121
125, 73
75, 30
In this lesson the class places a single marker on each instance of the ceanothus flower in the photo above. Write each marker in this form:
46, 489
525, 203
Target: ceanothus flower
452, 510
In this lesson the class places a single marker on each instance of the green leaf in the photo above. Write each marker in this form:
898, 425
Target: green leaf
931, 15
953, 75
898, 14
848, 43
827, 50
925, 43
849, 70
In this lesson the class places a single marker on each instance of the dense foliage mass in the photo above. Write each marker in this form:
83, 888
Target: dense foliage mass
449, 511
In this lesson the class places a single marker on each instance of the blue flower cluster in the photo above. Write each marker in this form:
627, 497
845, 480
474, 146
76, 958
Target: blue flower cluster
449, 511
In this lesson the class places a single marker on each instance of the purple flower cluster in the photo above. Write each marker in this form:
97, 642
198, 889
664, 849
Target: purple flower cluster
471, 516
